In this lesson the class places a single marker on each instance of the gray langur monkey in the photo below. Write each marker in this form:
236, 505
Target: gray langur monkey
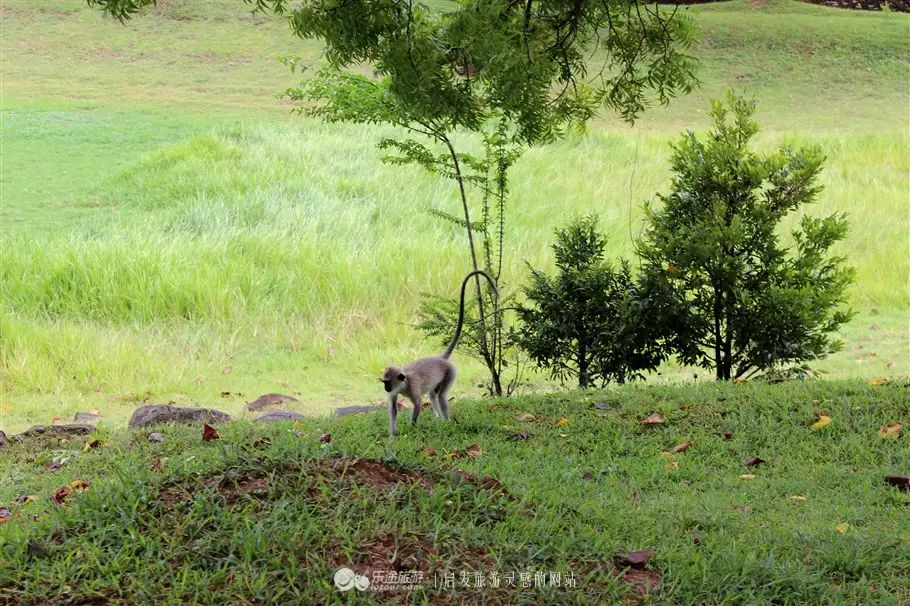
433, 375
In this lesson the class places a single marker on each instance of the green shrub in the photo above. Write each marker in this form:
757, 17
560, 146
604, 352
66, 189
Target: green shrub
589, 320
740, 301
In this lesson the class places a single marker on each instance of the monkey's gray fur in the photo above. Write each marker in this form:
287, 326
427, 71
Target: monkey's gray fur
433, 375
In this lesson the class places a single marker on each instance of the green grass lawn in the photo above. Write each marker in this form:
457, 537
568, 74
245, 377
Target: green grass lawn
266, 514
170, 232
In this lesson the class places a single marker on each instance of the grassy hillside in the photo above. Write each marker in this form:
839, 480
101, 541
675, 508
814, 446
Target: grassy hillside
267, 514
170, 232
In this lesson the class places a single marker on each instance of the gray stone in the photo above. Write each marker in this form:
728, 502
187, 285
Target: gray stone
271, 399
86, 417
4, 442
156, 437
279, 415
73, 429
157, 414
345, 411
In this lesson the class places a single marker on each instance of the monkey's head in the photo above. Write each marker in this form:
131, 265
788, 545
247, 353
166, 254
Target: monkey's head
393, 379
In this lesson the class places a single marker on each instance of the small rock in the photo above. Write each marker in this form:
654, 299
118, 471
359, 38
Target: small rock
77, 429
279, 415
354, 410
271, 399
86, 417
156, 414
604, 405
156, 437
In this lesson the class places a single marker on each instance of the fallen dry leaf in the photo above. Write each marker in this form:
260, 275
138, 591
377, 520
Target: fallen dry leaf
740, 381
4, 515
890, 430
652, 419
682, 447
79, 485
158, 464
672, 465
587, 476
263, 441
798, 497
526, 417
53, 465
879, 381
633, 559
747, 476
226, 370
429, 451
842, 528
325, 438
89, 445
209, 433
25, 499
474, 450
902, 482
823, 421
753, 462
725, 435
521, 436
562, 421
61, 493
743, 508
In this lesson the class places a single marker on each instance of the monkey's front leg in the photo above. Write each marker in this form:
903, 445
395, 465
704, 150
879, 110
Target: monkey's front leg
393, 414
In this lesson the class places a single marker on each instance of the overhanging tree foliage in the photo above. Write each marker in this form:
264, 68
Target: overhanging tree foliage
541, 67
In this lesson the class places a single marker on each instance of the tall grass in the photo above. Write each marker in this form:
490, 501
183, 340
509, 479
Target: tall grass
146, 250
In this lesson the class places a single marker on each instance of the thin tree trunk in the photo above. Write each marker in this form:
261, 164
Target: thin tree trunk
484, 348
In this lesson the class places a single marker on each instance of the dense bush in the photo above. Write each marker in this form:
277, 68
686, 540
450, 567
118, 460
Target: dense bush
589, 320
739, 300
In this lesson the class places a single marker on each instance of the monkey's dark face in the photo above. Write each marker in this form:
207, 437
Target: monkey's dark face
392, 379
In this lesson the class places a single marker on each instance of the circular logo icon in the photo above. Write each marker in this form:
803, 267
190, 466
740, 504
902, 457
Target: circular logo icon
344, 578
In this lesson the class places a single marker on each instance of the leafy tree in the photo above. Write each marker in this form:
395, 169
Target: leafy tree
740, 301
589, 320
474, 65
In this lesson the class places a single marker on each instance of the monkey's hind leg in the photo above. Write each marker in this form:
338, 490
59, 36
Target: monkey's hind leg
443, 396
434, 402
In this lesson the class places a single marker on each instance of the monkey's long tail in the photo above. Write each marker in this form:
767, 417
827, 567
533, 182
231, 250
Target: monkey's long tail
464, 284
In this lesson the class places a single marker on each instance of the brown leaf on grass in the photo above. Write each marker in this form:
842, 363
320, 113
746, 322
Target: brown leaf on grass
754, 462
4, 515
209, 433
587, 476
747, 476
429, 451
742, 508
562, 421
724, 434
526, 417
521, 436
683, 447
79, 485
823, 421
473, 451
890, 430
263, 441
61, 494
325, 438
158, 464
633, 559
901, 482
226, 370
671, 466
89, 445
652, 419
53, 465
878, 381
24, 499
